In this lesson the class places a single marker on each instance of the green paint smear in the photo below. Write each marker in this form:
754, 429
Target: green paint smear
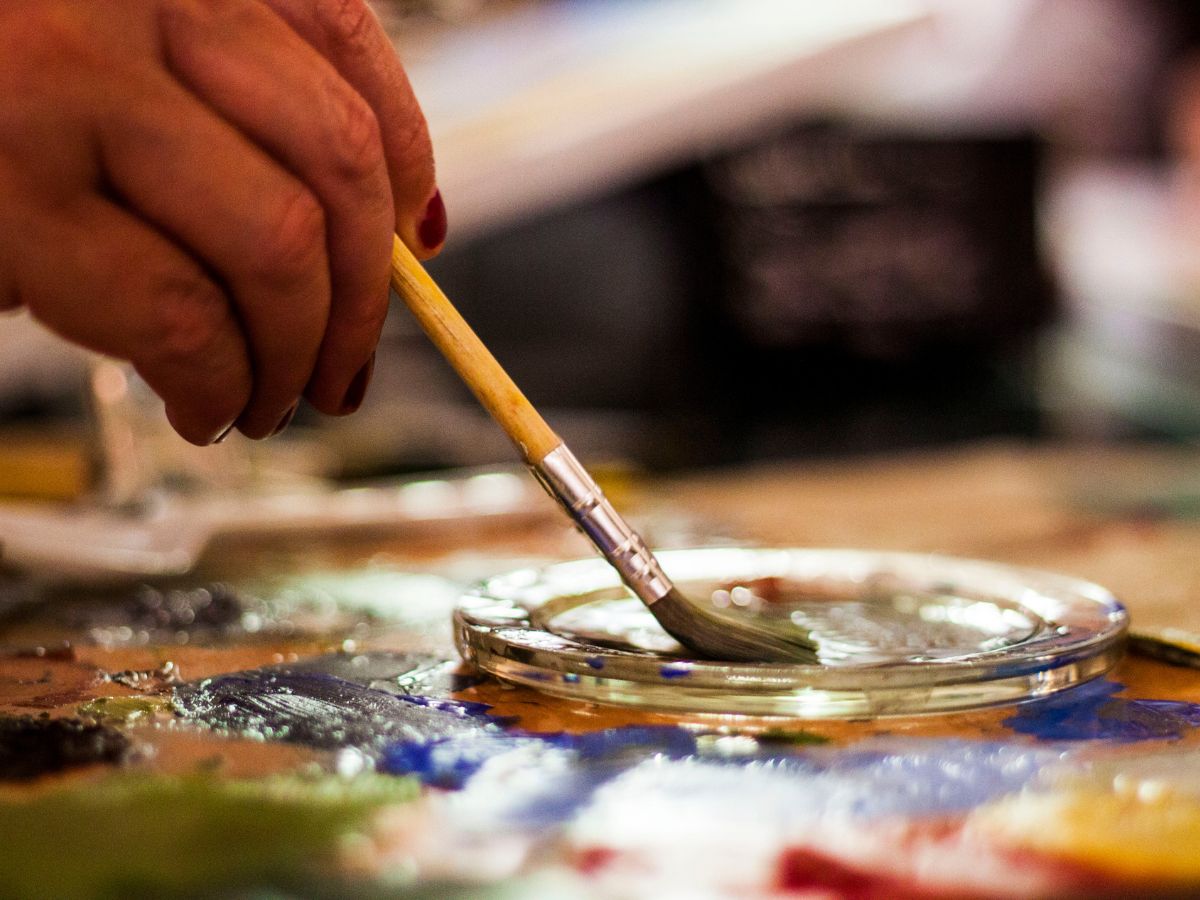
140, 835
124, 710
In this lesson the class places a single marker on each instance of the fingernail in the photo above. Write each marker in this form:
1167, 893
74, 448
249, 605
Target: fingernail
432, 230
220, 438
286, 420
358, 387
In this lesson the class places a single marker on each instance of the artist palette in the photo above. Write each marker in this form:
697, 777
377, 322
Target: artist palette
898, 634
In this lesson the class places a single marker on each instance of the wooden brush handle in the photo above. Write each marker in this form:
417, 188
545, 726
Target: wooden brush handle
472, 360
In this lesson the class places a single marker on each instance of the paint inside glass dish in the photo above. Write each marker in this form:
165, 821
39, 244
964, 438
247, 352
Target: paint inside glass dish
879, 626
897, 634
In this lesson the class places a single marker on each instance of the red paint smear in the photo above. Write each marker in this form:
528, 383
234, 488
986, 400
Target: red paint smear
801, 869
591, 860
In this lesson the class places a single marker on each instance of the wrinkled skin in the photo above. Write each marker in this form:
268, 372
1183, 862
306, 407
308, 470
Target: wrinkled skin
208, 189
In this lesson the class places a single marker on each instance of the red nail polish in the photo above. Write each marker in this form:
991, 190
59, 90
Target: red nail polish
358, 387
286, 420
432, 230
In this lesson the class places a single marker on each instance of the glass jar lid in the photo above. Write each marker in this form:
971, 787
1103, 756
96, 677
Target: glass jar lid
897, 633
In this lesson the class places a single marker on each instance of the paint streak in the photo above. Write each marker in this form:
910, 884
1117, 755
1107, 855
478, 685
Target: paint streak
655, 782
817, 874
873, 813
1092, 712
30, 746
144, 835
399, 673
323, 710
450, 762
938, 859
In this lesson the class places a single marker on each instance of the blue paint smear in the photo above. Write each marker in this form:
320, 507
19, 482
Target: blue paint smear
663, 740
1092, 712
446, 762
595, 662
569, 768
469, 709
672, 671
449, 762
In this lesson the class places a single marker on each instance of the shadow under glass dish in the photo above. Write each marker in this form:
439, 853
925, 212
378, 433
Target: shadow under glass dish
898, 634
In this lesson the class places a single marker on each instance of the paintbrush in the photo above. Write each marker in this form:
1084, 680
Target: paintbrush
702, 628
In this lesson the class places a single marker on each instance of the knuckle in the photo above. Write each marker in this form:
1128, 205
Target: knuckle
209, 13
192, 317
295, 243
357, 142
43, 39
350, 24
412, 150
413, 141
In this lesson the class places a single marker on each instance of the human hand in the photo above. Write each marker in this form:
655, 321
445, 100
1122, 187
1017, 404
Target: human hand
208, 189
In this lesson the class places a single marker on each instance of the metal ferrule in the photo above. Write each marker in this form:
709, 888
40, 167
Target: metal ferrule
571, 485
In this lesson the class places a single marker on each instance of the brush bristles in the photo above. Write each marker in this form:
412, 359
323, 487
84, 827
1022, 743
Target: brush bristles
714, 635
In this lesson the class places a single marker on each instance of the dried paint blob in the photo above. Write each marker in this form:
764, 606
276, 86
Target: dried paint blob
322, 710
30, 747
125, 710
399, 673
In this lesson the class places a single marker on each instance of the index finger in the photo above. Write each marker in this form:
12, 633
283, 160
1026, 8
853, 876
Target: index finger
347, 33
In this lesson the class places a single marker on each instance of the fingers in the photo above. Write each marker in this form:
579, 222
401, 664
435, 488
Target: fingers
347, 33
256, 72
103, 279
254, 184
244, 218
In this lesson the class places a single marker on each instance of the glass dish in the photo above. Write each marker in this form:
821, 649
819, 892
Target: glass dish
899, 634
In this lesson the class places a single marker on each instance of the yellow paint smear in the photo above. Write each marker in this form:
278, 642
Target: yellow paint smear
1151, 834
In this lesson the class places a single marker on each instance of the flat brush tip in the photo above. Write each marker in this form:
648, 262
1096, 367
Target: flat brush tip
718, 636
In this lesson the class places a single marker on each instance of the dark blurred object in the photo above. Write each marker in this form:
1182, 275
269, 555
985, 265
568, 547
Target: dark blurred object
886, 248
826, 291
879, 291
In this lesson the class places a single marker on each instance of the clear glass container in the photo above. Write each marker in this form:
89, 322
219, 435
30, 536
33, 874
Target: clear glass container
898, 633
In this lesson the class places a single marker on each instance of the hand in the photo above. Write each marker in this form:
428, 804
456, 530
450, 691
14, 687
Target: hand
208, 188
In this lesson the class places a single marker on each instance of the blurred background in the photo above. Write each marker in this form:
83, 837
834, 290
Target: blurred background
703, 232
